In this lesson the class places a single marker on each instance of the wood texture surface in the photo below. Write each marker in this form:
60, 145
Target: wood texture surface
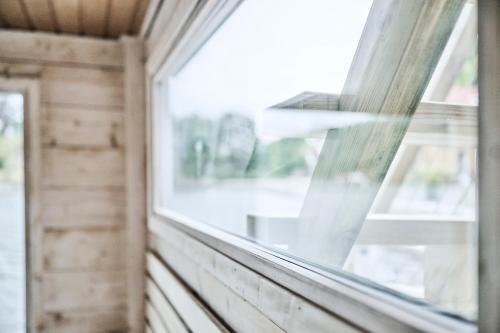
100, 18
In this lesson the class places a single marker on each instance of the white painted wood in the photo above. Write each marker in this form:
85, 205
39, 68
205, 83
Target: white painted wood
149, 18
135, 179
349, 300
167, 313
489, 166
84, 291
201, 266
83, 249
154, 319
171, 20
195, 315
48, 48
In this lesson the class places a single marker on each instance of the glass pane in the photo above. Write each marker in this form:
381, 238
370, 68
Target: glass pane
243, 124
12, 256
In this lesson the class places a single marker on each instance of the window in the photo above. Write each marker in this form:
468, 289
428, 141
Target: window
303, 127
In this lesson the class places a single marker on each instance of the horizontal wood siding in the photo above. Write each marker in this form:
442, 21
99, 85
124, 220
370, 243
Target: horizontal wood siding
82, 208
245, 300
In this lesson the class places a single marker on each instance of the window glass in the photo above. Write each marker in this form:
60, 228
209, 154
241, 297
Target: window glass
242, 124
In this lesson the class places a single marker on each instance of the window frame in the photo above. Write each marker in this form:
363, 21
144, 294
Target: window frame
351, 300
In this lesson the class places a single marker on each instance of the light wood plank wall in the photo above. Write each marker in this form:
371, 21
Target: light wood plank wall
83, 280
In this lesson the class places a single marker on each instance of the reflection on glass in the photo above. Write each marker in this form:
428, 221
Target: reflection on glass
12, 256
249, 116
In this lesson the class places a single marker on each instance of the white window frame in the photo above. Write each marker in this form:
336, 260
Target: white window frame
369, 308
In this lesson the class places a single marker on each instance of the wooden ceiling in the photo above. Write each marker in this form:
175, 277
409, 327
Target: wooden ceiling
100, 18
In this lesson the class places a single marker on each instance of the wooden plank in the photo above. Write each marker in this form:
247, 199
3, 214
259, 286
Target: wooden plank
84, 87
14, 14
84, 291
135, 178
408, 44
39, 11
489, 166
83, 322
84, 249
287, 310
121, 17
50, 48
95, 14
67, 16
167, 313
194, 313
82, 127
92, 168
154, 319
82, 208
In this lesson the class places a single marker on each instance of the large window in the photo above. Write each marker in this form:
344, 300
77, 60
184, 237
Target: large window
279, 131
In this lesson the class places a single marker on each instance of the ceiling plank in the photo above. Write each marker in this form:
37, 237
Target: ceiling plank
13, 14
67, 15
142, 6
94, 15
39, 11
122, 12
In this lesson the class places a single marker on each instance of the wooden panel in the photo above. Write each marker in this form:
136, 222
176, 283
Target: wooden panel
195, 315
489, 166
45, 47
167, 313
79, 127
82, 208
135, 127
84, 322
67, 15
121, 17
154, 319
95, 14
84, 290
86, 87
282, 307
94, 168
85, 249
40, 14
14, 13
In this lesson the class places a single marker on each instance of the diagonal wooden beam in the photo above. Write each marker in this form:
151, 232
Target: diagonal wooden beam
398, 51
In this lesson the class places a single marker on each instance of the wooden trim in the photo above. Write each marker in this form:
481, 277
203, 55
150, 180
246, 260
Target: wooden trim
30, 88
135, 179
53, 49
489, 166
198, 318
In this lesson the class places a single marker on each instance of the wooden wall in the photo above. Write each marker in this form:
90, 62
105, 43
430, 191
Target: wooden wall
82, 217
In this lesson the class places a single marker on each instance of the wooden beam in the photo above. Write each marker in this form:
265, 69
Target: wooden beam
14, 14
489, 166
39, 11
94, 16
52, 49
407, 44
135, 144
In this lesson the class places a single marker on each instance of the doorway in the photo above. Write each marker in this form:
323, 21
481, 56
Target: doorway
12, 214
